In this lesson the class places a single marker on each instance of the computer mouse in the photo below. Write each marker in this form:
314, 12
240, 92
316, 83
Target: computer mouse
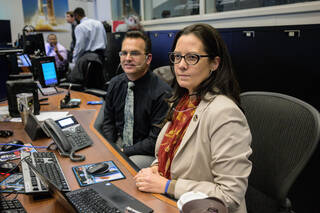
6, 148
98, 169
8, 166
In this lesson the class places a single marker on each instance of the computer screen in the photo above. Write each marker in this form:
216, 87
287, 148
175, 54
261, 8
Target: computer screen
4, 73
32, 43
23, 60
5, 35
49, 73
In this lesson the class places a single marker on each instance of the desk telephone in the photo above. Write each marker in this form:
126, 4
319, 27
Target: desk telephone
69, 136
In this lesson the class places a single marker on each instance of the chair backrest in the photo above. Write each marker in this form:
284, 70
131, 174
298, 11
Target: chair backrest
99, 120
94, 76
207, 205
285, 132
165, 74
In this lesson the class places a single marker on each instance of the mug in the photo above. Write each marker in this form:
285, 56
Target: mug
25, 105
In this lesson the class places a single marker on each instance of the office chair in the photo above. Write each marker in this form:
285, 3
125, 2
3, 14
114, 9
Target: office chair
94, 80
99, 120
98, 125
165, 74
285, 132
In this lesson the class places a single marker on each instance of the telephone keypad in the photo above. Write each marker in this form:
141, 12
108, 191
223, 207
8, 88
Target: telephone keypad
78, 138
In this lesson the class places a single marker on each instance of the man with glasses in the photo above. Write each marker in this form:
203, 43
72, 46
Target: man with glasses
135, 102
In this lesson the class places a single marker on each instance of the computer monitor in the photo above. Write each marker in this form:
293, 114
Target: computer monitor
48, 75
23, 60
5, 35
33, 43
4, 73
44, 70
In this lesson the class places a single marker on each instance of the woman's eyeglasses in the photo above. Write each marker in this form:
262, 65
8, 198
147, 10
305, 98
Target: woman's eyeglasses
190, 58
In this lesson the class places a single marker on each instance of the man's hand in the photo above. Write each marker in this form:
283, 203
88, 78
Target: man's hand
55, 48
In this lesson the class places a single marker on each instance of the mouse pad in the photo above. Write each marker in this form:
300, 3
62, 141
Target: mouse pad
84, 178
15, 154
13, 183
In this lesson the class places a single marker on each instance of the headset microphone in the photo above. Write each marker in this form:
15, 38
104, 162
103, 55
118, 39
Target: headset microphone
141, 65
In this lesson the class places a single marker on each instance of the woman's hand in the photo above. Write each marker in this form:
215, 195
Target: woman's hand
149, 180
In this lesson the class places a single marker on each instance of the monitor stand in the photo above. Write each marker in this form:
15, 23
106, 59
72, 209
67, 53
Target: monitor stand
45, 91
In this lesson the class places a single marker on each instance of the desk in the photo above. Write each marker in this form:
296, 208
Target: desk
101, 150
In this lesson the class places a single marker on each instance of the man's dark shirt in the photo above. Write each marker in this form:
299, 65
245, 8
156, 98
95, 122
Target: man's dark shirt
73, 36
73, 42
150, 108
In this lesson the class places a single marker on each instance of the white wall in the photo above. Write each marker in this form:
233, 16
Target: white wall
12, 10
292, 14
103, 10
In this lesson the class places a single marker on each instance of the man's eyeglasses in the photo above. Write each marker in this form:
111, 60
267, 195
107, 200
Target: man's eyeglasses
190, 58
132, 53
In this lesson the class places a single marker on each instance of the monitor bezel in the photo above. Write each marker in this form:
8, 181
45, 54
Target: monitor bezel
33, 42
48, 59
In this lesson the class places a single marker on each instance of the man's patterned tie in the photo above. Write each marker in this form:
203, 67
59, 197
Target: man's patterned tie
128, 116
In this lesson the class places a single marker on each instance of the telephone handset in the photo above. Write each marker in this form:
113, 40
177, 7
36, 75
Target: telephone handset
58, 136
69, 136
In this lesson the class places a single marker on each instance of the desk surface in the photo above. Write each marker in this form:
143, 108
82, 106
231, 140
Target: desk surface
101, 150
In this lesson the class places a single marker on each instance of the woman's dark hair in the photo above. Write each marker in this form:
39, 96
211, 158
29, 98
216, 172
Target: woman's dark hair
142, 35
222, 80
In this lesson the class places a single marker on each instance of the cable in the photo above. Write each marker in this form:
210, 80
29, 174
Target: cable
76, 157
12, 144
8, 172
10, 193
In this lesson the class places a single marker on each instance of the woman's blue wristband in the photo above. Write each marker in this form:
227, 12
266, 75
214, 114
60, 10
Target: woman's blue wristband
167, 186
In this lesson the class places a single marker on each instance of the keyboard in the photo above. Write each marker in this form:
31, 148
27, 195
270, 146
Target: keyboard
88, 200
11, 206
48, 164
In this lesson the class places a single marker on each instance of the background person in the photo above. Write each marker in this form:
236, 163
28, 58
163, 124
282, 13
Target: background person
54, 48
150, 107
90, 35
91, 41
205, 144
71, 20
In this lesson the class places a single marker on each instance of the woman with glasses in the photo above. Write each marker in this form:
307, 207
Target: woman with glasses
205, 143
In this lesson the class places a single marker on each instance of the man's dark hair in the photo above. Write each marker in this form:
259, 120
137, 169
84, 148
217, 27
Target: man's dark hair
70, 13
142, 35
52, 34
79, 11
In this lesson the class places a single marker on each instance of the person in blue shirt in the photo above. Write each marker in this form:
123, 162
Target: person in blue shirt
57, 50
90, 35
91, 38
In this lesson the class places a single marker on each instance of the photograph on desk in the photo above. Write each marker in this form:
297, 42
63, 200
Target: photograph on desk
13, 183
97, 172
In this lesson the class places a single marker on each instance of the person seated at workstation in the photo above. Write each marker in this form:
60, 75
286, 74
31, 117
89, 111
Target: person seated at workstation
205, 144
135, 102
91, 41
59, 52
